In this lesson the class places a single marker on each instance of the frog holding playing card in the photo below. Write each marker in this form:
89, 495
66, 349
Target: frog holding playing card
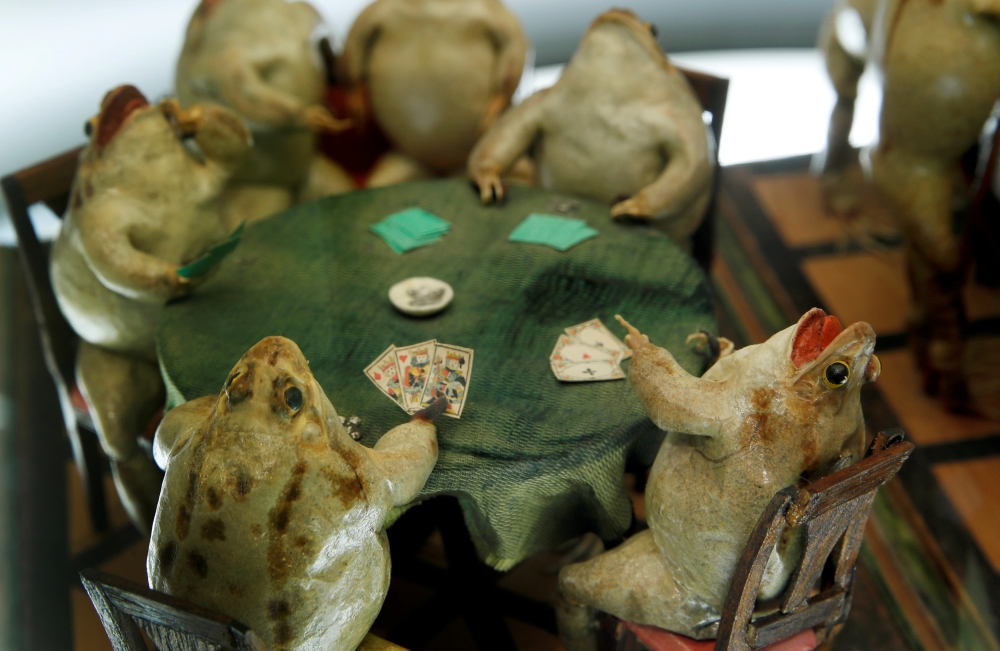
414, 362
450, 377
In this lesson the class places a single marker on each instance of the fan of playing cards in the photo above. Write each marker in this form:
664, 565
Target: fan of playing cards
415, 376
588, 353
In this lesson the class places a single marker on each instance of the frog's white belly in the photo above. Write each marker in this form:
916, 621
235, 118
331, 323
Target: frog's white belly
599, 153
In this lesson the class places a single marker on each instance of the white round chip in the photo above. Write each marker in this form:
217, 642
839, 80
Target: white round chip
420, 296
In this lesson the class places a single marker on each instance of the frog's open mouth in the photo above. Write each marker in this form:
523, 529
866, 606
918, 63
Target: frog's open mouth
816, 331
116, 108
821, 335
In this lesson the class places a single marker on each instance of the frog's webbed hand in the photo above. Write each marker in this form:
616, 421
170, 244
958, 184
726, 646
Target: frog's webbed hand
178, 425
108, 248
404, 458
674, 399
319, 118
686, 178
503, 144
715, 348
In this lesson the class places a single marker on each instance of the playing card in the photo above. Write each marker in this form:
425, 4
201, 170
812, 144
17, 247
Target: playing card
384, 372
592, 371
594, 333
451, 373
571, 351
213, 256
414, 366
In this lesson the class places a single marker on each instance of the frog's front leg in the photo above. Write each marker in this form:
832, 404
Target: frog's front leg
715, 348
503, 144
405, 456
674, 399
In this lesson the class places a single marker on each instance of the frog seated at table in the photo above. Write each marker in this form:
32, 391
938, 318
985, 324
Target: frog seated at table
142, 205
763, 418
437, 73
272, 514
621, 125
261, 59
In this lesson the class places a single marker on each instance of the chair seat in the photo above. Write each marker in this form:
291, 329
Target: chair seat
659, 639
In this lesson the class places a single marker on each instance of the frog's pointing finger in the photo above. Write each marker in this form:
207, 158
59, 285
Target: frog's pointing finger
634, 338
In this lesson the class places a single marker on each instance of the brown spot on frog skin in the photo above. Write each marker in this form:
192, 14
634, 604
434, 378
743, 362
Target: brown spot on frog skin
214, 529
278, 609
346, 488
278, 562
183, 523
198, 563
282, 633
214, 500
242, 484
168, 553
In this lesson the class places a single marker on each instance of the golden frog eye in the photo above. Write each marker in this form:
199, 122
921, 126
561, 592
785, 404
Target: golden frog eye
836, 375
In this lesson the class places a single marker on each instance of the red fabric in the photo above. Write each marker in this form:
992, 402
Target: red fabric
115, 109
358, 148
814, 334
659, 639
76, 397
79, 402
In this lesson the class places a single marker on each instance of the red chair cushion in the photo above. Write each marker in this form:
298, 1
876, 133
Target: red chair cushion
659, 639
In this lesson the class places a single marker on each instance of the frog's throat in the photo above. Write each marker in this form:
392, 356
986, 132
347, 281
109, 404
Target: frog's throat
639, 30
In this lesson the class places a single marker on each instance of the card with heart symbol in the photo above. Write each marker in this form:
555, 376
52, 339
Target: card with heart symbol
414, 376
588, 352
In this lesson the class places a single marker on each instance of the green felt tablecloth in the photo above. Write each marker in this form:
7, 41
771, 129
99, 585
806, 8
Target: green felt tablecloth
533, 461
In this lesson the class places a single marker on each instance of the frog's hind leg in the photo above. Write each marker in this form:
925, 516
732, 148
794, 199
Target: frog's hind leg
123, 393
632, 582
396, 167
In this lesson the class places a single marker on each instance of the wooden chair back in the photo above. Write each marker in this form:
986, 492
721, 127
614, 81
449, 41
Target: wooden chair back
833, 512
49, 182
128, 610
712, 92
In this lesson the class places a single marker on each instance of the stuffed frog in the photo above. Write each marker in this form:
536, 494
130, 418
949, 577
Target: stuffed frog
261, 59
142, 205
940, 68
621, 125
438, 73
759, 420
272, 514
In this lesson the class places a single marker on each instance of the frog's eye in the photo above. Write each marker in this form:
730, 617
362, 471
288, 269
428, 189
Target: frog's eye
293, 398
836, 375
652, 30
88, 128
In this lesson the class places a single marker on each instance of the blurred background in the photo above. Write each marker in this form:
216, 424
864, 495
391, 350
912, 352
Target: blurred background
59, 58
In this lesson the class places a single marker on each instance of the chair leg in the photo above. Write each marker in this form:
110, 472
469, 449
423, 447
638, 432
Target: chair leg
92, 474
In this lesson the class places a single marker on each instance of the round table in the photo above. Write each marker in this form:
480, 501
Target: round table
533, 461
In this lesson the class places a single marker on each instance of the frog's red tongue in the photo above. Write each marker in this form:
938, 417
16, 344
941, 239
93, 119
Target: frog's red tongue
115, 109
815, 333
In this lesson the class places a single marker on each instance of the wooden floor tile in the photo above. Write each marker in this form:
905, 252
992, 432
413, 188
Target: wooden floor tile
982, 372
868, 287
795, 205
531, 637
926, 422
974, 489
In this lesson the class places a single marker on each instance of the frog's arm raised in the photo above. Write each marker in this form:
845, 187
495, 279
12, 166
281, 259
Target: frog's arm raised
511, 46
106, 234
503, 144
353, 62
674, 399
685, 179
404, 457
178, 425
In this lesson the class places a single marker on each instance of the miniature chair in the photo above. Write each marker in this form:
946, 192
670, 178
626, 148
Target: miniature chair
711, 91
50, 182
816, 602
128, 609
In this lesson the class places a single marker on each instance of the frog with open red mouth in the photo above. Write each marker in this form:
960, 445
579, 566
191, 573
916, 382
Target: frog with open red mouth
761, 419
142, 205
